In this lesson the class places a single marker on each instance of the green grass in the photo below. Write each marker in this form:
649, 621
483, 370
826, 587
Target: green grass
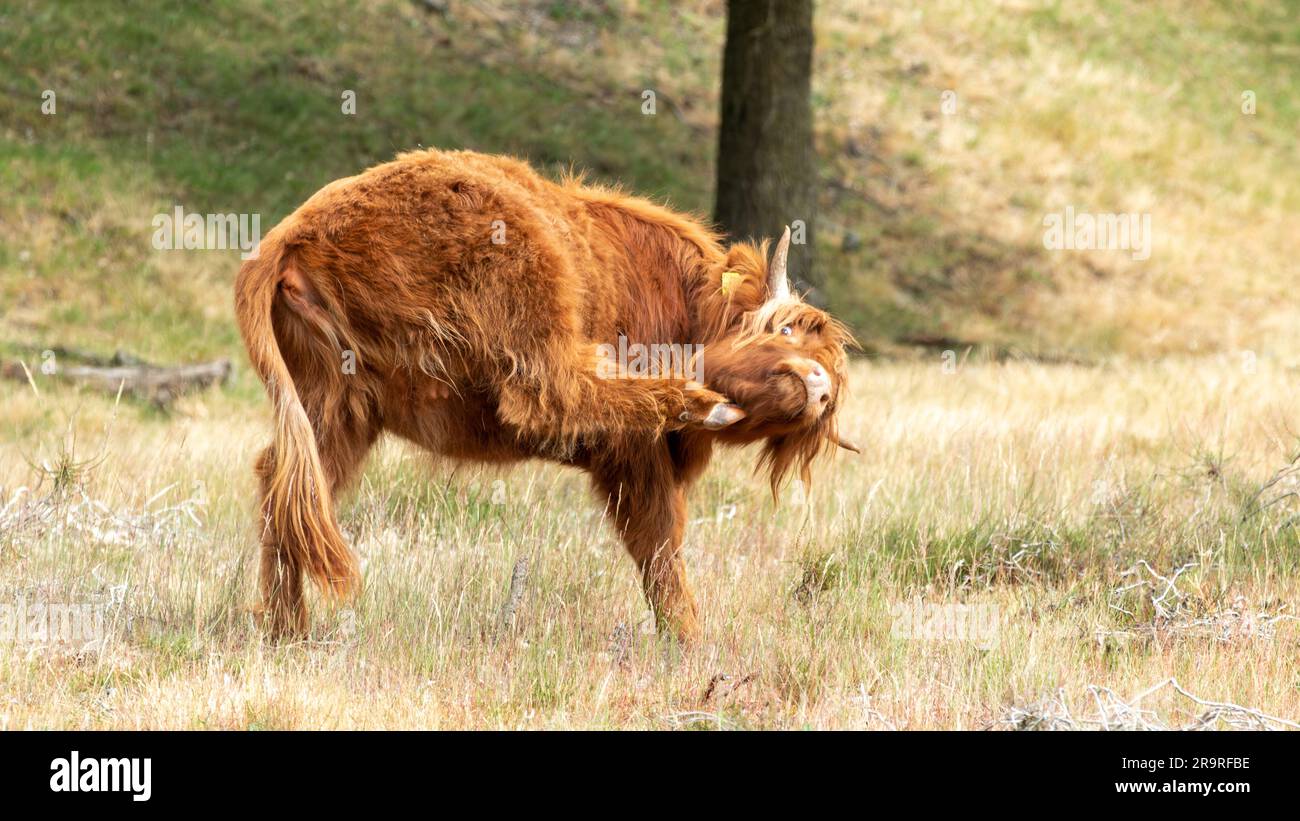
236, 107
240, 104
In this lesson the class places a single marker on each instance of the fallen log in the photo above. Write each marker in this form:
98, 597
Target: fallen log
159, 384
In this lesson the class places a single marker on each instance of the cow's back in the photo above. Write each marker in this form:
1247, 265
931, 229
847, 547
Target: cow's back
447, 233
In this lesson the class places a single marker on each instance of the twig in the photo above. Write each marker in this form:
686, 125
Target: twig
515, 595
154, 383
1116, 713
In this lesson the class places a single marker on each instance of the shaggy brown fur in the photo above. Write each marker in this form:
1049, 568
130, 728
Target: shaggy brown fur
470, 295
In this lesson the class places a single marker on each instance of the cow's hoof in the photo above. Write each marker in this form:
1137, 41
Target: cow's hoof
723, 415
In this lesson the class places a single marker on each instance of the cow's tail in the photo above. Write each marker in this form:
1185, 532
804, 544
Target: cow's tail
298, 508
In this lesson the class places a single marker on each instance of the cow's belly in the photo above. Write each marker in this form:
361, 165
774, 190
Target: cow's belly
466, 428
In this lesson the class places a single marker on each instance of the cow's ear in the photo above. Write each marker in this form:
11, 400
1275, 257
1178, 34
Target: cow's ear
741, 280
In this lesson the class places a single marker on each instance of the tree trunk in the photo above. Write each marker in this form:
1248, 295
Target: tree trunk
767, 169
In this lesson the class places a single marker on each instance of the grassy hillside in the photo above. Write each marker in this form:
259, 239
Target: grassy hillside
1105, 106
235, 107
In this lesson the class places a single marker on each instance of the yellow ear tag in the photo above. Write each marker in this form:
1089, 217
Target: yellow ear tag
730, 279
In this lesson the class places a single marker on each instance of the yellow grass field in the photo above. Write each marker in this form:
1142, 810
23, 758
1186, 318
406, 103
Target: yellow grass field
1070, 536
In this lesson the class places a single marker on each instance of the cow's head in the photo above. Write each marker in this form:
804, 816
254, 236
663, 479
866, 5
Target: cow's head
780, 359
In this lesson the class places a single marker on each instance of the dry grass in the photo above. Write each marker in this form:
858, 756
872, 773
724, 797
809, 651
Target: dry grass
1038, 491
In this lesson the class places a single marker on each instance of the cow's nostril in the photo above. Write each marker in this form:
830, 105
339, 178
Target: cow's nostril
826, 397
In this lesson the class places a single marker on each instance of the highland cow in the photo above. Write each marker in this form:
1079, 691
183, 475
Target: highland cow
465, 303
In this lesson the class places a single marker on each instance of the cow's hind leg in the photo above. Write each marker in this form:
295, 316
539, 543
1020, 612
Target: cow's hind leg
552, 379
342, 444
649, 508
570, 391
283, 612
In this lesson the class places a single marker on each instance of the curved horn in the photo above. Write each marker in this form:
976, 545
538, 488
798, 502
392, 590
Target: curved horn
845, 443
778, 285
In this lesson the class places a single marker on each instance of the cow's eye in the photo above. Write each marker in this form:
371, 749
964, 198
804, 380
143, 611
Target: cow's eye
786, 330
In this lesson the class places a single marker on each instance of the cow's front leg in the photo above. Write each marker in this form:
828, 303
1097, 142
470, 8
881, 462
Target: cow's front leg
649, 508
